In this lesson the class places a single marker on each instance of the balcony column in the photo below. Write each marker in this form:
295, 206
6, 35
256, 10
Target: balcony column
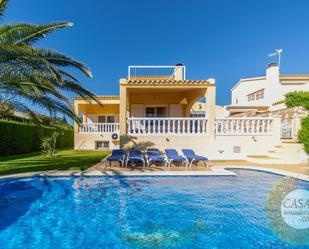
211, 108
123, 108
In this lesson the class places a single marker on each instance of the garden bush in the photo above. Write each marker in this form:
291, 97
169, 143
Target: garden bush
18, 138
303, 134
300, 99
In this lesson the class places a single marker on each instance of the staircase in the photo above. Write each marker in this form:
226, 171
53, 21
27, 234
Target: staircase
288, 152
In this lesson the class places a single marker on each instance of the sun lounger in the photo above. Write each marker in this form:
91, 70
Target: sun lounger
173, 156
135, 155
192, 157
153, 155
116, 156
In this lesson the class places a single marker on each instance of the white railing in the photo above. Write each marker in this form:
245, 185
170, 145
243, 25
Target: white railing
243, 126
99, 127
167, 126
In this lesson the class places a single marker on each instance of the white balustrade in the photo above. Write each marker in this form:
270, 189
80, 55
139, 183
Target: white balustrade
167, 126
243, 127
98, 127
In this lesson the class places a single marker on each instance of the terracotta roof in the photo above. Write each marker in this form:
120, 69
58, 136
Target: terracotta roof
279, 102
248, 107
109, 97
294, 76
168, 82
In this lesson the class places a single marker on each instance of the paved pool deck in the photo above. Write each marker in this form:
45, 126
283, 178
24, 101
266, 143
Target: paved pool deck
215, 168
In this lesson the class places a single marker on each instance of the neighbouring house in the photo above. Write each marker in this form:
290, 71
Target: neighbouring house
265, 91
170, 111
264, 96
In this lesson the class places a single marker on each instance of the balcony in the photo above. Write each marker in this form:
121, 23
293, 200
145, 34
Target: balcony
167, 126
99, 128
244, 127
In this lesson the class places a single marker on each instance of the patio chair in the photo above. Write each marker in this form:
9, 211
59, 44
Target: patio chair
192, 157
135, 155
117, 155
153, 155
173, 156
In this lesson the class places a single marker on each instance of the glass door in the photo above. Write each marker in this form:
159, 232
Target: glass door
155, 112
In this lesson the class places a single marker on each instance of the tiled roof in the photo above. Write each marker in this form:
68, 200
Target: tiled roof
168, 82
247, 107
294, 76
279, 102
109, 97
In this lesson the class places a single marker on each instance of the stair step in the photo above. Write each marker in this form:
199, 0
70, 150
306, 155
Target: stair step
289, 142
258, 156
287, 152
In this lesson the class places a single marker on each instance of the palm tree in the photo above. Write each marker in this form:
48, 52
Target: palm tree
31, 76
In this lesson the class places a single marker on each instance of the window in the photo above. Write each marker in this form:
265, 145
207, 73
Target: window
110, 119
106, 119
101, 119
101, 145
256, 95
197, 114
151, 112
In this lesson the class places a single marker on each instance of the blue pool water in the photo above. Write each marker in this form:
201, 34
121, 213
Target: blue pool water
138, 212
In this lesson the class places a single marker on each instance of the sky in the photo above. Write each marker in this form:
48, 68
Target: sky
222, 39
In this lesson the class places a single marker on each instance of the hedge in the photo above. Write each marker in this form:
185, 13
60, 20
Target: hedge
18, 138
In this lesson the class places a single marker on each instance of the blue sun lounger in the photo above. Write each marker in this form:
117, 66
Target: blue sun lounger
153, 155
116, 156
173, 156
192, 157
135, 155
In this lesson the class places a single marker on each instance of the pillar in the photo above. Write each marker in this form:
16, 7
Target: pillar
123, 108
211, 109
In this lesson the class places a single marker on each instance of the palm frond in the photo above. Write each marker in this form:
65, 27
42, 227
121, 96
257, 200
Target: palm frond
32, 77
3, 5
61, 60
23, 33
23, 108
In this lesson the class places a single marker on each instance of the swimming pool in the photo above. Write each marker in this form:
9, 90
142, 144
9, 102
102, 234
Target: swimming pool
138, 212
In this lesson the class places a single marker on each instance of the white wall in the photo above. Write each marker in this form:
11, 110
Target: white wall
244, 88
286, 88
87, 141
274, 90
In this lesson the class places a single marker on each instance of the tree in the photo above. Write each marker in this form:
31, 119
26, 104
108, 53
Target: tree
300, 99
31, 76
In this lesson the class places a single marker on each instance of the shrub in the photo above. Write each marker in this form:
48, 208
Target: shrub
297, 99
300, 99
303, 134
18, 138
49, 144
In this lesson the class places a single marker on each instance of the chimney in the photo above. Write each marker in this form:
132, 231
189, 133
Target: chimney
178, 72
273, 84
272, 72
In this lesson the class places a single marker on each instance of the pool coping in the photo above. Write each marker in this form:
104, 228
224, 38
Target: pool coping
218, 170
265, 169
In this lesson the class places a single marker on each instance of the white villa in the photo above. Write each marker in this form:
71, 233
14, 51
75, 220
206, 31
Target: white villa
266, 93
165, 111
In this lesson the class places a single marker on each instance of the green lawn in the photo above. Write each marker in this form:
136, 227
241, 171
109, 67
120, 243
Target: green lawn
65, 160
